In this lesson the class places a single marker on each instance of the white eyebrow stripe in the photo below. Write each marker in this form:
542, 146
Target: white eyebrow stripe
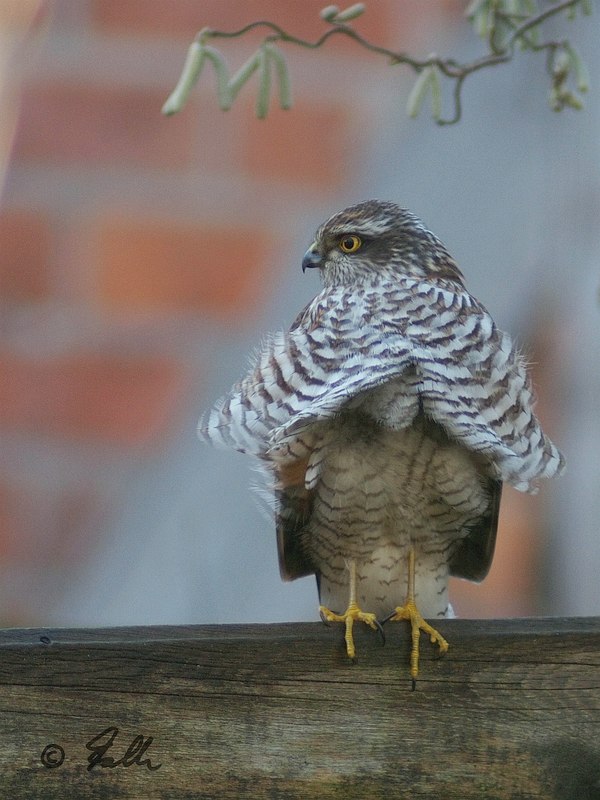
370, 227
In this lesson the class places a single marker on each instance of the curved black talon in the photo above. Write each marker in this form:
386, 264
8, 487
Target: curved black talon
380, 631
389, 616
324, 619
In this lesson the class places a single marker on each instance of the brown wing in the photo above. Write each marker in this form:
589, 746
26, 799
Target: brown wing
473, 557
294, 508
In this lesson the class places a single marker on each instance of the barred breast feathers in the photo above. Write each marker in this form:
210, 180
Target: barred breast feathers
393, 349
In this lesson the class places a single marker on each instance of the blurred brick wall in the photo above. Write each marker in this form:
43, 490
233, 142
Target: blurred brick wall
129, 243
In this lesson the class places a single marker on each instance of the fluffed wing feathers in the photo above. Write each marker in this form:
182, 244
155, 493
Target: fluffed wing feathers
413, 347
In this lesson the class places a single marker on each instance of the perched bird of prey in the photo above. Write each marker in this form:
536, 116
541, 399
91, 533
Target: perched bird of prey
389, 416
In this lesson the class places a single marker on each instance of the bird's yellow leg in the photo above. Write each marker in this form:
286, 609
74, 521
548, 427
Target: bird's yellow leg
410, 612
351, 615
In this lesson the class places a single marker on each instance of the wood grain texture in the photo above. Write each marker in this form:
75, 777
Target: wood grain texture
277, 711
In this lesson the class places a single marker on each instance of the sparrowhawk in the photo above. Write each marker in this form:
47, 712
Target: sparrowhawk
389, 416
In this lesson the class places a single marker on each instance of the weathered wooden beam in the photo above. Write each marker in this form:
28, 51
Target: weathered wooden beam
277, 711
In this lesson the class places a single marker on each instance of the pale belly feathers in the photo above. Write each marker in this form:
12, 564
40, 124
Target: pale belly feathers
381, 491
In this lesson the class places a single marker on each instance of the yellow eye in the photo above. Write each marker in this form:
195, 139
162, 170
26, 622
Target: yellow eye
350, 244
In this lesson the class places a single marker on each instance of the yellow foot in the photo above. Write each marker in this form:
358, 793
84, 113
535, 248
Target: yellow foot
352, 614
410, 612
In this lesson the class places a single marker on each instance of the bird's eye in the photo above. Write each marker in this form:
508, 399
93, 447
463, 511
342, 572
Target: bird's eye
350, 244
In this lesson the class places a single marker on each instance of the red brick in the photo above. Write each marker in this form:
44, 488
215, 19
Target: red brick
44, 526
301, 18
16, 15
93, 396
97, 125
309, 144
25, 244
146, 265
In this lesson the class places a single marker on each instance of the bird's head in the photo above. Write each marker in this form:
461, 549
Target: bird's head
378, 238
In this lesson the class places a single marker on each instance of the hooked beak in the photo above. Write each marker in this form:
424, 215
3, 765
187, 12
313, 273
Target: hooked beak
312, 259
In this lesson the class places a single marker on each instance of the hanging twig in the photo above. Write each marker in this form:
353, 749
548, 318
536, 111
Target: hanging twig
505, 25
